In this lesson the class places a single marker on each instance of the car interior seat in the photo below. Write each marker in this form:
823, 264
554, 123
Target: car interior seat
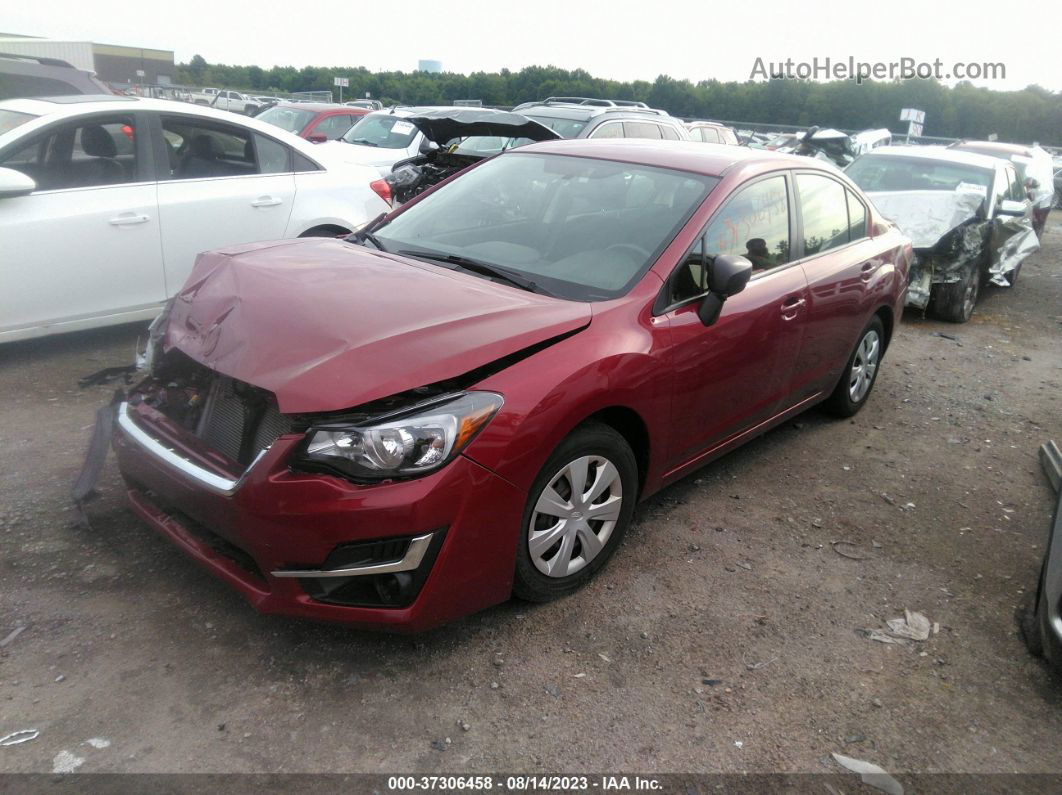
201, 159
103, 168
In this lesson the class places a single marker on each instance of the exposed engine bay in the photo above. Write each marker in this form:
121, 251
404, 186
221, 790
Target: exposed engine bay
457, 139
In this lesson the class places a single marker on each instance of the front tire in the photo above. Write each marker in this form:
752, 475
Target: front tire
955, 301
577, 511
860, 373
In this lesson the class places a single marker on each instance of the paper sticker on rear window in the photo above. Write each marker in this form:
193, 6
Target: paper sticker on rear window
402, 127
971, 187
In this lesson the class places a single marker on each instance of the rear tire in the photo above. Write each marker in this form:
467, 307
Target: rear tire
860, 372
592, 473
955, 301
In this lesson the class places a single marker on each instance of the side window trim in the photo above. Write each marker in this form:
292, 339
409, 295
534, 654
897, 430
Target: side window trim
663, 304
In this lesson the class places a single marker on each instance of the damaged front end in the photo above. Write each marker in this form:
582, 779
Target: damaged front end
947, 261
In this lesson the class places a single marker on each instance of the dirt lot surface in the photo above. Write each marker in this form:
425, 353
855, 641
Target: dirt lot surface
721, 637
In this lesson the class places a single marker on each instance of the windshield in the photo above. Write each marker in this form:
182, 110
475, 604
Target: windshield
10, 119
565, 128
293, 120
581, 228
382, 130
487, 145
886, 173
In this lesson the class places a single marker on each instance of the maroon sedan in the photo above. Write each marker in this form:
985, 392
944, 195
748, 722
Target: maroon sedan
316, 122
466, 399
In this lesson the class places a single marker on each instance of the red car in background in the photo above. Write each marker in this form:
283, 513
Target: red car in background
467, 398
316, 122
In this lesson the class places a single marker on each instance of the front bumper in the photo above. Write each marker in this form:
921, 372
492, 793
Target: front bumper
269, 532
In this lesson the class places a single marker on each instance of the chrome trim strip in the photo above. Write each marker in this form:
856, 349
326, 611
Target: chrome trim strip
216, 483
418, 547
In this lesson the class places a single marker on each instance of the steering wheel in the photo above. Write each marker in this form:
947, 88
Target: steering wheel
637, 252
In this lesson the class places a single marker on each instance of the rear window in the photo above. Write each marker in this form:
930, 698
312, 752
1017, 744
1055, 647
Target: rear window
291, 119
886, 173
10, 119
382, 130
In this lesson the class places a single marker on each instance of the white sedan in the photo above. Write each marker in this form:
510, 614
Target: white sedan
106, 201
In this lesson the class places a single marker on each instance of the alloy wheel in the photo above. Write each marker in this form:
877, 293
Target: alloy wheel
574, 516
864, 366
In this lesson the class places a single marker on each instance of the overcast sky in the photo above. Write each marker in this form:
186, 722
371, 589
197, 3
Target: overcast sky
623, 40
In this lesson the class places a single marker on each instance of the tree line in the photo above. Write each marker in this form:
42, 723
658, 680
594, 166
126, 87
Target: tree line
964, 111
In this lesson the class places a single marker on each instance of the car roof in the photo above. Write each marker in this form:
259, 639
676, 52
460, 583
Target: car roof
320, 107
694, 156
692, 124
414, 110
1003, 149
54, 108
939, 153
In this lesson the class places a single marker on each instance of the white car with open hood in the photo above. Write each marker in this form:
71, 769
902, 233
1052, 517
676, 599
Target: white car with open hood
106, 201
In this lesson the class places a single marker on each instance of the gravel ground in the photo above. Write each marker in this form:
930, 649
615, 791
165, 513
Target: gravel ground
722, 636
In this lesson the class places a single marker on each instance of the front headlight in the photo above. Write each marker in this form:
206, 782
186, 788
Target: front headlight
403, 445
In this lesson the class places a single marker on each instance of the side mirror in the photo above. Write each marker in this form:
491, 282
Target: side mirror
15, 183
316, 138
728, 274
1011, 207
428, 146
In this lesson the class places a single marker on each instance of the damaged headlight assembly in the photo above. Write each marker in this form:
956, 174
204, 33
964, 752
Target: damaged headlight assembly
400, 445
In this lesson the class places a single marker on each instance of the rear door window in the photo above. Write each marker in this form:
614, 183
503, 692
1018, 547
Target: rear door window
824, 210
333, 126
857, 217
641, 129
669, 133
199, 149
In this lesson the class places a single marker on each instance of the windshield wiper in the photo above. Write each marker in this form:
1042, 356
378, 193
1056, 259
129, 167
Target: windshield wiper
366, 233
480, 267
361, 141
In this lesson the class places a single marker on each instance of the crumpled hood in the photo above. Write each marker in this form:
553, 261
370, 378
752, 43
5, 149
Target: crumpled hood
443, 126
328, 325
926, 216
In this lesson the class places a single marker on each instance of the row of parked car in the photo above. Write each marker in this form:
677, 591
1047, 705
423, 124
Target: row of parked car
974, 210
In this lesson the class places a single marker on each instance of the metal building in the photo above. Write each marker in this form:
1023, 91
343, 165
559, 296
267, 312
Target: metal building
111, 63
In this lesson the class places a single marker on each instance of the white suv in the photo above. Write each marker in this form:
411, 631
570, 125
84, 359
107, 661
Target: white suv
106, 201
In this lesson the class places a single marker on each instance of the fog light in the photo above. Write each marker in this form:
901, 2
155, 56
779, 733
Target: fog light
394, 589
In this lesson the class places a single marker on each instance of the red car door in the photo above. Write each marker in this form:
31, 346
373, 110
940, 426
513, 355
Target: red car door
840, 263
734, 375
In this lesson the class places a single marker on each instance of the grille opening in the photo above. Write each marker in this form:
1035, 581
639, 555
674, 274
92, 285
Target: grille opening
232, 418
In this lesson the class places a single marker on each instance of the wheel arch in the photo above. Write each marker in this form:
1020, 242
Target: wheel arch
629, 424
325, 230
888, 321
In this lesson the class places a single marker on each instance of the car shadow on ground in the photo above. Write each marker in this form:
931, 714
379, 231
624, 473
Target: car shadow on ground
113, 346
